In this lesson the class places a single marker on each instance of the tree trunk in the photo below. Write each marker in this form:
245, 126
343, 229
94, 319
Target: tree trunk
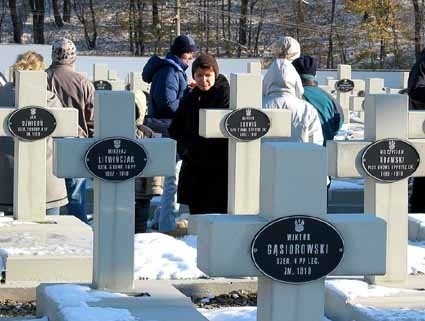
57, 15
418, 26
242, 26
131, 32
67, 10
330, 60
156, 23
2, 15
140, 35
16, 22
37, 8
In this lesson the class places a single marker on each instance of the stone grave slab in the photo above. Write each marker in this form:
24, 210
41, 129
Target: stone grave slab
160, 302
105, 79
57, 250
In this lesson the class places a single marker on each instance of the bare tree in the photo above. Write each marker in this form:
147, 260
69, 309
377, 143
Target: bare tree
16, 22
136, 27
67, 10
56, 13
37, 8
418, 10
243, 26
2, 15
330, 60
88, 20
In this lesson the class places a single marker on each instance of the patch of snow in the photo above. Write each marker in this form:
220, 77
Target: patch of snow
159, 256
416, 258
72, 301
393, 314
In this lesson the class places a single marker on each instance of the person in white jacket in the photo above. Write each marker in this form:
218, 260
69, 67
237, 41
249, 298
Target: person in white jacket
280, 92
285, 51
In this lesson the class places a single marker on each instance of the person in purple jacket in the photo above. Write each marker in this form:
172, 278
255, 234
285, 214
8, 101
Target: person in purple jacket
168, 83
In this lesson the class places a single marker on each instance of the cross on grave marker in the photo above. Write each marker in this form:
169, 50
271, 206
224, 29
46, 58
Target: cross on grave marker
387, 117
373, 86
29, 181
224, 240
113, 241
104, 79
136, 82
244, 156
343, 97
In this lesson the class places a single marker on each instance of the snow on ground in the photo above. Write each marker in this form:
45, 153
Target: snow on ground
416, 258
159, 256
353, 289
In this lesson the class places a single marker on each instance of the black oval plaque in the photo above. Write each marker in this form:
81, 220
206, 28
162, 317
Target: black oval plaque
247, 124
344, 85
102, 85
297, 249
116, 159
390, 160
31, 123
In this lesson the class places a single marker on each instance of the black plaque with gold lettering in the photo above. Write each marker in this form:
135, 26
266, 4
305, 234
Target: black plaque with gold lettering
297, 249
116, 159
390, 160
31, 123
247, 124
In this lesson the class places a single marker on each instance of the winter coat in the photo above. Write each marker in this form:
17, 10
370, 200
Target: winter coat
328, 109
203, 174
416, 83
282, 88
146, 187
55, 187
282, 70
73, 90
168, 83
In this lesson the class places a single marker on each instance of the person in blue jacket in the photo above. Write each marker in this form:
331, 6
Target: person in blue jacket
168, 83
330, 112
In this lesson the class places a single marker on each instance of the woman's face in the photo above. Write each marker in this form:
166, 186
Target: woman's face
204, 78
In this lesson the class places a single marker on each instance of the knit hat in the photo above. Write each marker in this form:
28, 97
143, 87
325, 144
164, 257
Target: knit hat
183, 44
63, 52
305, 65
286, 47
205, 61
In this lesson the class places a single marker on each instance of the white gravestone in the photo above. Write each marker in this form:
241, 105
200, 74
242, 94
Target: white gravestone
244, 156
373, 86
136, 82
293, 183
386, 118
344, 72
29, 183
113, 257
101, 78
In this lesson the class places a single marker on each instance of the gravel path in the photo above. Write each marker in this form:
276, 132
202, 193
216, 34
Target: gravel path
17, 309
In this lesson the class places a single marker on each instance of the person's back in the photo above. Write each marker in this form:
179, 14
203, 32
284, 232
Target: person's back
329, 110
281, 93
73, 89
168, 83
416, 83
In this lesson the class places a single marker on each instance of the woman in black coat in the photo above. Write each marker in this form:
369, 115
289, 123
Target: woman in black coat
203, 175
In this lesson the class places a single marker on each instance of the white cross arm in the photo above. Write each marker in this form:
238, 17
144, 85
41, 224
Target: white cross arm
66, 121
211, 122
344, 158
224, 243
416, 128
69, 156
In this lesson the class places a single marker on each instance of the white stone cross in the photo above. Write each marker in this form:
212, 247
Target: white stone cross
136, 82
343, 98
387, 116
373, 86
293, 182
113, 256
29, 182
244, 157
101, 72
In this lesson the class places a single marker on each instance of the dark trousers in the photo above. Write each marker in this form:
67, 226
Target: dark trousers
141, 215
417, 199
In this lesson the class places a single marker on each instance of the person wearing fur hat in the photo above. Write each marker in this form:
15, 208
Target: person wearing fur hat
329, 110
76, 91
203, 175
168, 82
